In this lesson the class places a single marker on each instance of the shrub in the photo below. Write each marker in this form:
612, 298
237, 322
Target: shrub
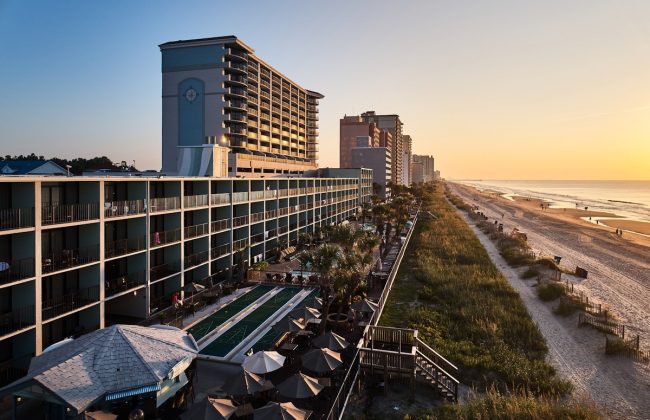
530, 273
550, 291
567, 307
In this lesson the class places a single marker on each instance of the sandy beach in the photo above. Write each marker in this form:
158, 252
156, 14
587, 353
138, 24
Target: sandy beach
619, 278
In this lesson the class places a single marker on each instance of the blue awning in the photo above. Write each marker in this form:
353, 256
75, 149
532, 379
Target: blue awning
132, 392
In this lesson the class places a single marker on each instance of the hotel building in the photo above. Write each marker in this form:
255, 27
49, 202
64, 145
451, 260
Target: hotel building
217, 91
393, 125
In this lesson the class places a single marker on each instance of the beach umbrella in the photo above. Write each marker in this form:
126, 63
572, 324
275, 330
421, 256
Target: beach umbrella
289, 324
263, 362
364, 306
315, 302
218, 409
246, 383
305, 313
281, 411
321, 360
300, 386
193, 287
331, 341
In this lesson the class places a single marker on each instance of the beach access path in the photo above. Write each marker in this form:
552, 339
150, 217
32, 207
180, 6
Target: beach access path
620, 385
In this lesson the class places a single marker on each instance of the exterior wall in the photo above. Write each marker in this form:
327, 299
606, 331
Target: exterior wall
377, 159
125, 244
350, 128
393, 125
425, 168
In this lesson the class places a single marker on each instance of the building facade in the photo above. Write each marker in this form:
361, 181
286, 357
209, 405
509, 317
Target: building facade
350, 128
217, 91
423, 168
393, 125
377, 159
407, 160
82, 253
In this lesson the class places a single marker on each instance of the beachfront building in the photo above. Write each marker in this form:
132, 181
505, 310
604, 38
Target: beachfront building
363, 174
217, 91
82, 253
422, 168
407, 159
377, 159
350, 128
392, 124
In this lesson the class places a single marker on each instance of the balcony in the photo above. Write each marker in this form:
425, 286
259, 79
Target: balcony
14, 270
125, 282
236, 105
256, 217
257, 195
239, 245
235, 79
196, 259
13, 369
164, 204
192, 201
238, 66
16, 218
239, 197
165, 237
124, 246
62, 304
16, 319
252, 112
69, 258
270, 214
219, 199
52, 214
236, 54
124, 208
220, 251
252, 100
164, 270
239, 221
220, 225
256, 239
196, 230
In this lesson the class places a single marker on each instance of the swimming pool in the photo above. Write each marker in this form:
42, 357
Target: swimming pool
204, 327
235, 335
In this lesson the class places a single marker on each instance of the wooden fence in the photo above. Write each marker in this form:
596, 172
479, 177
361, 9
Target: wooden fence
629, 347
602, 325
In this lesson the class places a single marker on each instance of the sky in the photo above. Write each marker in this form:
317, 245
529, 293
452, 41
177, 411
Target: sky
492, 89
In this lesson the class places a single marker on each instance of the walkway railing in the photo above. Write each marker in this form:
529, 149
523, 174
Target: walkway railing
124, 208
61, 304
69, 258
16, 319
67, 213
16, 218
14, 270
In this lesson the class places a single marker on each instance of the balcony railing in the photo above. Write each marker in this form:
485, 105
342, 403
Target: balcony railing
124, 246
16, 218
14, 270
191, 201
217, 199
164, 270
69, 258
220, 251
16, 319
66, 213
219, 225
257, 195
239, 197
196, 259
270, 214
256, 239
164, 204
125, 282
124, 208
13, 369
61, 304
239, 221
165, 237
196, 230
256, 217
239, 244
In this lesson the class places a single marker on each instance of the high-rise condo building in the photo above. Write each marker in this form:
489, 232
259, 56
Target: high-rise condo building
423, 168
217, 91
393, 125
350, 128
407, 159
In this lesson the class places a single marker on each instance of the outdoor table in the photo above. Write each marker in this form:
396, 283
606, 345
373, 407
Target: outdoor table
313, 323
291, 347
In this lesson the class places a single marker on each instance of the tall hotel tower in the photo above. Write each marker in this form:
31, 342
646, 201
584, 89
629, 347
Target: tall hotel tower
216, 91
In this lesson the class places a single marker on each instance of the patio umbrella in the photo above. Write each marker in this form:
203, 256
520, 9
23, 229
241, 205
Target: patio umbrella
321, 360
365, 306
305, 313
218, 409
246, 383
263, 362
288, 324
300, 386
193, 287
281, 411
331, 341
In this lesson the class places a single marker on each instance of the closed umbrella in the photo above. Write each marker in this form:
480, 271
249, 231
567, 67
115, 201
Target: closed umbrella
300, 386
321, 360
263, 362
193, 287
246, 383
316, 303
289, 324
331, 341
218, 409
305, 313
281, 411
365, 306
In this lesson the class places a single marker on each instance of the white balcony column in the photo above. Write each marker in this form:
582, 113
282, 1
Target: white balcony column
38, 271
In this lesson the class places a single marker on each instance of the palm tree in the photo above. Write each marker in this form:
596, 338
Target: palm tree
366, 208
323, 260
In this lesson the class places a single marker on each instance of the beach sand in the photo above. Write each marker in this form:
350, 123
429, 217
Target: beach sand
628, 225
619, 279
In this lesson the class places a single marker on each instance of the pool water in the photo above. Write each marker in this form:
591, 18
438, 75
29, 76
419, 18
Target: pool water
227, 341
204, 327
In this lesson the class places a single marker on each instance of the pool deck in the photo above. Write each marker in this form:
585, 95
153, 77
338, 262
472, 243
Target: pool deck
210, 309
236, 355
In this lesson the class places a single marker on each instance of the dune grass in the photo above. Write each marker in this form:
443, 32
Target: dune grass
550, 291
449, 289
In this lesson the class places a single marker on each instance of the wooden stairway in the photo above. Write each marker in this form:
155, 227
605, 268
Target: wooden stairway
433, 369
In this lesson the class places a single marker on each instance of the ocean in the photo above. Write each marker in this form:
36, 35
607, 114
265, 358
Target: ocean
630, 199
